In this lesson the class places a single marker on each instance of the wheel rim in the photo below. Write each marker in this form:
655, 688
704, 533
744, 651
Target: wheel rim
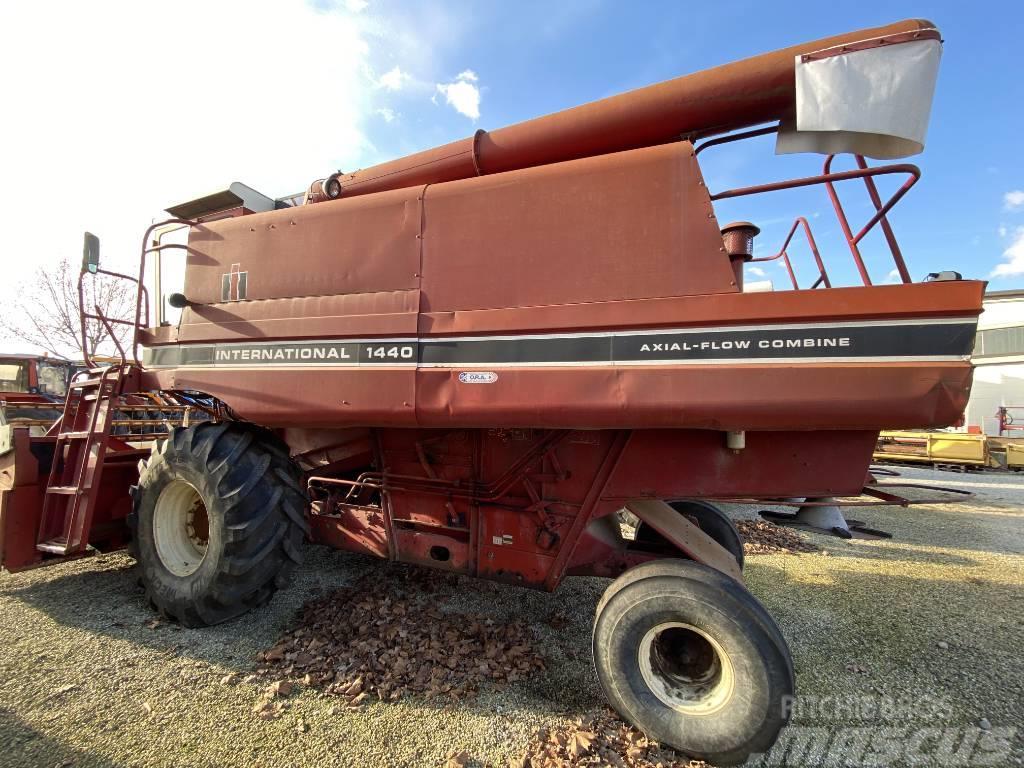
181, 528
686, 669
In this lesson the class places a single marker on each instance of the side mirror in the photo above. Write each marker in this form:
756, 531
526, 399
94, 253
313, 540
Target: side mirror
91, 253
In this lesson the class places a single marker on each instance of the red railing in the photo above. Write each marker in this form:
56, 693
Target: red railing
142, 307
830, 178
784, 255
141, 295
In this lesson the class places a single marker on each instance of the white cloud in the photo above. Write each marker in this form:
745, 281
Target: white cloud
151, 131
893, 276
755, 271
1013, 200
387, 114
394, 79
462, 94
1014, 255
1002, 231
356, 6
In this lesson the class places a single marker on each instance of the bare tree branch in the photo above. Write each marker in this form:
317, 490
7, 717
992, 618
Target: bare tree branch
46, 313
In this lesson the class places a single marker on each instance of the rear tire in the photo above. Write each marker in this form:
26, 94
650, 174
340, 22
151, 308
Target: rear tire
683, 569
692, 664
218, 521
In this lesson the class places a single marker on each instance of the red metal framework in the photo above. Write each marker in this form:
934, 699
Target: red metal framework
141, 319
1007, 421
142, 295
830, 178
783, 254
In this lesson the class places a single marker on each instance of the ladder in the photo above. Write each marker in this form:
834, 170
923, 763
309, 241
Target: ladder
78, 456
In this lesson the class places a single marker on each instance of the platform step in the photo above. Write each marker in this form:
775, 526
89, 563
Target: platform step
74, 435
63, 490
83, 383
53, 546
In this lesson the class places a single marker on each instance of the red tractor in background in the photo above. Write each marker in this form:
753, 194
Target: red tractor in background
475, 357
32, 389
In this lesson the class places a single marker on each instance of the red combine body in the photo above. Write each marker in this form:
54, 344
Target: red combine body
475, 357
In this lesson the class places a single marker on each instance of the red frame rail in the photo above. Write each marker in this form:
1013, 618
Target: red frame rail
1007, 422
830, 178
141, 319
784, 255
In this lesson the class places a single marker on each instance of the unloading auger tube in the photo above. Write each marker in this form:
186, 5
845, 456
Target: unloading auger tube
523, 356
744, 93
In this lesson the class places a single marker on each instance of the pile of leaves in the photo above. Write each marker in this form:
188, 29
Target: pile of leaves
384, 638
761, 537
600, 739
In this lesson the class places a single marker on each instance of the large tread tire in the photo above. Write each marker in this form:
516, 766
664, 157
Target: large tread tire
749, 714
709, 518
256, 511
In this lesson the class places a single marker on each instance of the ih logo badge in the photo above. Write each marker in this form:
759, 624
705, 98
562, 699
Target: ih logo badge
232, 284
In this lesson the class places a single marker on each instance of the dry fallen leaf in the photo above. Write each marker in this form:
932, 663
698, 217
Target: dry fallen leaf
385, 637
581, 742
761, 536
598, 739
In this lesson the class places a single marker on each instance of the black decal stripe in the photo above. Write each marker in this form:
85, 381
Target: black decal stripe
899, 340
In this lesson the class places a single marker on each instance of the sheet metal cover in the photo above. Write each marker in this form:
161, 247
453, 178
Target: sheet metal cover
874, 102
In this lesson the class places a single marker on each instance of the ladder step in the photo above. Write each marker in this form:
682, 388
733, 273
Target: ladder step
63, 490
74, 435
53, 546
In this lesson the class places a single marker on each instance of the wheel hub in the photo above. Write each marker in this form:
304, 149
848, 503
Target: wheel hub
181, 528
685, 668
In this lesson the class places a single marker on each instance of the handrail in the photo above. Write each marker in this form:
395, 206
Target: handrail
142, 303
880, 212
782, 253
735, 137
146, 250
829, 178
140, 295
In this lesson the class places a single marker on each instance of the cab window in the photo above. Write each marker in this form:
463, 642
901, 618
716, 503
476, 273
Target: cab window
13, 376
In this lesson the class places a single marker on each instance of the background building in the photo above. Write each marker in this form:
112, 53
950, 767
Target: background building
999, 361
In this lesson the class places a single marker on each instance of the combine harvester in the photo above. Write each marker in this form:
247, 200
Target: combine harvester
474, 357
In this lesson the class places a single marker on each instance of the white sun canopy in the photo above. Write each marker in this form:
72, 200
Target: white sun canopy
873, 101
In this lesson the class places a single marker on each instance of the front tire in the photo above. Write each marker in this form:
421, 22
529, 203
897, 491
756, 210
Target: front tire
694, 665
218, 522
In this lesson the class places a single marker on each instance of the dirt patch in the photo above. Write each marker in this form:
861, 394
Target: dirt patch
387, 638
761, 537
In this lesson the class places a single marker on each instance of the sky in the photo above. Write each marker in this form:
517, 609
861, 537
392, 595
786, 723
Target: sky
114, 110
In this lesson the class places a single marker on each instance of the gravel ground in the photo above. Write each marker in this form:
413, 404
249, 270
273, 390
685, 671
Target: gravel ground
933, 617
